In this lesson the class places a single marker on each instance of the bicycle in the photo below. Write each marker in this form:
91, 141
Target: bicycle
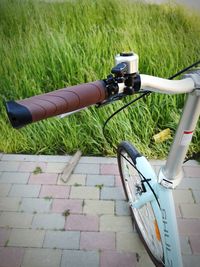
149, 196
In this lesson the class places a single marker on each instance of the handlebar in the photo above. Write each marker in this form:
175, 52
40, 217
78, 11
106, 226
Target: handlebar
61, 101
165, 86
123, 81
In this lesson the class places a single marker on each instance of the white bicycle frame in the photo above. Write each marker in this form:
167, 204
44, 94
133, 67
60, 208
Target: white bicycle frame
171, 174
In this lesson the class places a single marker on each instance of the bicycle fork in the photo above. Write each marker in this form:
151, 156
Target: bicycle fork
166, 220
167, 223
164, 210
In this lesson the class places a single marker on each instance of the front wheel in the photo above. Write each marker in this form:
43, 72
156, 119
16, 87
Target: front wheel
134, 185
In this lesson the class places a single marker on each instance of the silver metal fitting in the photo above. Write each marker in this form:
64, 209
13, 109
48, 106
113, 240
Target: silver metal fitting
195, 75
171, 184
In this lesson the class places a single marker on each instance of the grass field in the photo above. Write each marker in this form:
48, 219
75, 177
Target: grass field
45, 46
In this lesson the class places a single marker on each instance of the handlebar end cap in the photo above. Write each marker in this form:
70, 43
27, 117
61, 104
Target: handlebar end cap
18, 114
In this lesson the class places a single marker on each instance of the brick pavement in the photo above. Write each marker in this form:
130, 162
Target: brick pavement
86, 222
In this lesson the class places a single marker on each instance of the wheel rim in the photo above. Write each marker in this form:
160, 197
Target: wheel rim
144, 216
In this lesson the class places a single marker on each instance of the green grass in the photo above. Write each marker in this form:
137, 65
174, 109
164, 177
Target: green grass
45, 46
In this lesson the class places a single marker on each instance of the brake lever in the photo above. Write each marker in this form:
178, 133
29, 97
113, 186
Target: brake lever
111, 99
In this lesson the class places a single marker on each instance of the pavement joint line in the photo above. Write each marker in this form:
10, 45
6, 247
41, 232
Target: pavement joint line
193, 196
10, 189
40, 191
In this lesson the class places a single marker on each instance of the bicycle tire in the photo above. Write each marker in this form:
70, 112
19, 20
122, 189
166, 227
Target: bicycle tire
126, 148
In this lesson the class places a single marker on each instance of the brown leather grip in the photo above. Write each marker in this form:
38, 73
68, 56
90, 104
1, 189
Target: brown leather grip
56, 102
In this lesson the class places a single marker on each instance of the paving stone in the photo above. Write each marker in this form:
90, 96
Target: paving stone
14, 177
48, 158
48, 221
19, 157
190, 183
11, 257
117, 259
87, 168
185, 245
55, 167
80, 258
112, 193
4, 189
190, 210
193, 171
9, 166
75, 179
73, 205
143, 260
62, 240
116, 223
98, 207
35, 205
4, 236
15, 220
35, 257
177, 210
43, 178
122, 208
183, 196
192, 163
188, 227
192, 260
129, 242
55, 191
105, 180
195, 244
118, 181
97, 241
26, 238
83, 192
24, 190
82, 222
98, 160
9, 204
109, 169
31, 166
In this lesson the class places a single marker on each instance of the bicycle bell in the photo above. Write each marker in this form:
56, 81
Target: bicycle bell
131, 59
